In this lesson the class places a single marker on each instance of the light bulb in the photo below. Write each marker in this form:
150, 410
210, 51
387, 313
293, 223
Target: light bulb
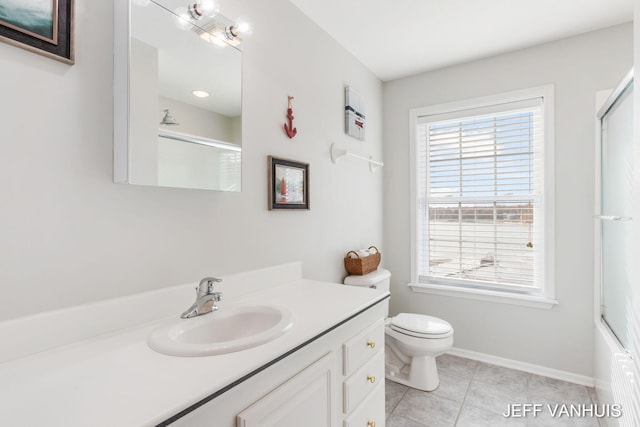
243, 28
202, 8
210, 7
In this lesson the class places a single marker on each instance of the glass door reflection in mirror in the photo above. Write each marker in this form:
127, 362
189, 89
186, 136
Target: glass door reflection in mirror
184, 99
616, 180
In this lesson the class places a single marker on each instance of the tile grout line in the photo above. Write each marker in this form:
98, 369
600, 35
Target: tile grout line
464, 399
404, 393
602, 422
400, 400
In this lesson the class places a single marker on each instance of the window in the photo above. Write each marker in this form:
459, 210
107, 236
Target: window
483, 194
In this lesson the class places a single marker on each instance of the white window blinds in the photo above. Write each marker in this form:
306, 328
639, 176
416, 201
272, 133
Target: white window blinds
480, 196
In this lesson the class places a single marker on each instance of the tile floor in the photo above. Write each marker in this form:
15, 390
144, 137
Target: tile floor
476, 394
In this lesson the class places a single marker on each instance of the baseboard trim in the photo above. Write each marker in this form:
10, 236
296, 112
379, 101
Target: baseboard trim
523, 366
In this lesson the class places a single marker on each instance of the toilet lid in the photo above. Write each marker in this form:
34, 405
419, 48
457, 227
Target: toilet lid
420, 325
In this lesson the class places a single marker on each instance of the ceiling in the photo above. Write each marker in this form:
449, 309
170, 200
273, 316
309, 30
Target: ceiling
398, 38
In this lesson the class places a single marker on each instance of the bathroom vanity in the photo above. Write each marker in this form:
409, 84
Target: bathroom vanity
326, 370
336, 380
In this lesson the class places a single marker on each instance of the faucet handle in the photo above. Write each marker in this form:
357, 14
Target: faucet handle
206, 285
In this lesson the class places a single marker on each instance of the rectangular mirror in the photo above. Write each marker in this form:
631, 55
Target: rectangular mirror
177, 97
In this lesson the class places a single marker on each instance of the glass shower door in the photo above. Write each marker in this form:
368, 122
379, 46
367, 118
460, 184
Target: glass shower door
616, 216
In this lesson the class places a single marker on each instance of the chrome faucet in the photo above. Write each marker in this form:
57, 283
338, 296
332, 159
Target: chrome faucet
206, 298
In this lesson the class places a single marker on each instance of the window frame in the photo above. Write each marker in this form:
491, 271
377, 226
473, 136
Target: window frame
543, 297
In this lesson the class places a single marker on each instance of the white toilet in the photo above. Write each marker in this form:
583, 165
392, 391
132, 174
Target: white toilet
412, 341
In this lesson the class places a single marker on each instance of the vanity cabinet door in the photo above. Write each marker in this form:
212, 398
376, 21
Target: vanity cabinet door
304, 400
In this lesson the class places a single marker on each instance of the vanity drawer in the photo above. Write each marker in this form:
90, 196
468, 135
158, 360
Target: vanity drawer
370, 413
363, 346
363, 381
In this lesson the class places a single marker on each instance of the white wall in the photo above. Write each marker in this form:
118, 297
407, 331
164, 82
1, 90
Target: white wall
68, 235
560, 338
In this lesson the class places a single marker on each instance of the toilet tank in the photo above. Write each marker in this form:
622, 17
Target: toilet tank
379, 279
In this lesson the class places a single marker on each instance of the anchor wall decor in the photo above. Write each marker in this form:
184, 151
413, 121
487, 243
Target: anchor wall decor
289, 129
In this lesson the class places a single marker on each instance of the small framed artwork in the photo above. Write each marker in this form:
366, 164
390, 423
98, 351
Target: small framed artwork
41, 26
288, 184
354, 118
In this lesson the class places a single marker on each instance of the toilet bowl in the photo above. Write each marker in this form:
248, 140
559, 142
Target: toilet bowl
412, 341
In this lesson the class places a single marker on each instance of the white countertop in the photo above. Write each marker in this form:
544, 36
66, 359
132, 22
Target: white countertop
115, 379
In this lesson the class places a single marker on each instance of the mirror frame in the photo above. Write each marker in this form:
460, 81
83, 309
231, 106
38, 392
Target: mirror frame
121, 64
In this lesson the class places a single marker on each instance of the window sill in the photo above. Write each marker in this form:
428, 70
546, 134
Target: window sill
484, 295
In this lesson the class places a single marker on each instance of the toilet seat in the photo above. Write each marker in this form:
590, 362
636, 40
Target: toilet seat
421, 326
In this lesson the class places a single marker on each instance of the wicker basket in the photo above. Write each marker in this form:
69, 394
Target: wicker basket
360, 266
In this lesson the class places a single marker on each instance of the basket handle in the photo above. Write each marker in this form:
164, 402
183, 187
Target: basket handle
352, 252
377, 250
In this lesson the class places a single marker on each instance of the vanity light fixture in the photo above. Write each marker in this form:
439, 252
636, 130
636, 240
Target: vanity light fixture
200, 93
203, 8
241, 28
168, 119
214, 31
221, 35
216, 39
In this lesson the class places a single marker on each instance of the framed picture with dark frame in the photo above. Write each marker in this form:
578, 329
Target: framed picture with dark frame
288, 184
41, 26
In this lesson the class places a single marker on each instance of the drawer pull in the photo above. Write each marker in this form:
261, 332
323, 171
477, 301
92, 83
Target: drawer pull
371, 379
371, 344
371, 424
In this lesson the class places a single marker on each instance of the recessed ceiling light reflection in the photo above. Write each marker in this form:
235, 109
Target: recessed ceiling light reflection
200, 93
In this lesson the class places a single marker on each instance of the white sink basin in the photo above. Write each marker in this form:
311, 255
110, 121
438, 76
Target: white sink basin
227, 330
